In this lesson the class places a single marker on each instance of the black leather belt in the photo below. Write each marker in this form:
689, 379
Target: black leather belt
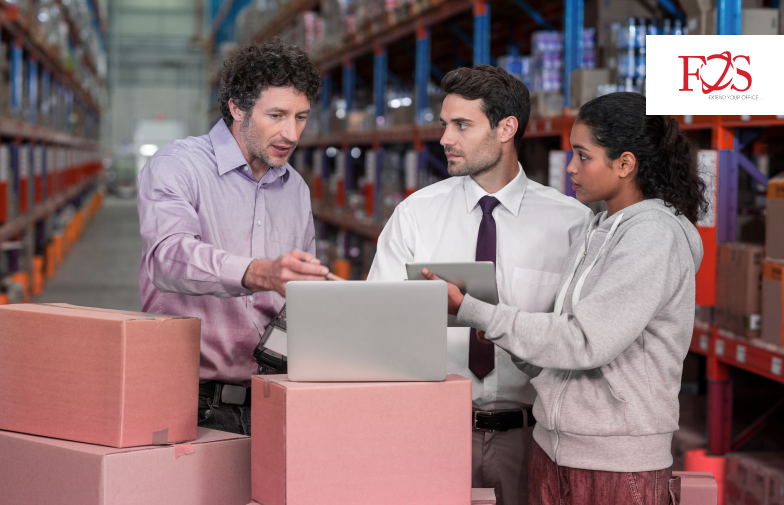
226, 393
502, 421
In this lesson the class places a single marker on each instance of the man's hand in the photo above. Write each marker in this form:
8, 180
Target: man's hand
454, 296
272, 275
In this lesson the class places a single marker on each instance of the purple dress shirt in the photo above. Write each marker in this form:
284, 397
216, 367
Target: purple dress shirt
204, 218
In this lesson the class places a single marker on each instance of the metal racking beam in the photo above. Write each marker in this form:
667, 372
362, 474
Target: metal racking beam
422, 71
534, 14
728, 17
481, 32
573, 41
349, 79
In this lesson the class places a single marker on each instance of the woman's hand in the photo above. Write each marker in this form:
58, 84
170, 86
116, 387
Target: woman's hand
454, 296
480, 336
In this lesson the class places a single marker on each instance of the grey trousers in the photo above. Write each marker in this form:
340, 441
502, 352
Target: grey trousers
500, 460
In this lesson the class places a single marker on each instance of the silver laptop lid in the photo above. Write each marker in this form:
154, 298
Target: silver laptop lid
366, 331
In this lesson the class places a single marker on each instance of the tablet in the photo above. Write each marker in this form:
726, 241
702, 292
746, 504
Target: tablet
477, 278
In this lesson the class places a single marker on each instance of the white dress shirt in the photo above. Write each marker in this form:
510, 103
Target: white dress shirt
535, 226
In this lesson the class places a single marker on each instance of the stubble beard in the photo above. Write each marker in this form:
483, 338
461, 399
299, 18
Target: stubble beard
484, 159
253, 143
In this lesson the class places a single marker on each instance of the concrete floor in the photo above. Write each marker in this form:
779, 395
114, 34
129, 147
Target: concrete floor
101, 270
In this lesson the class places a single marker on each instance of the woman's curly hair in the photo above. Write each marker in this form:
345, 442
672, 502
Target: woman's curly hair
666, 160
253, 68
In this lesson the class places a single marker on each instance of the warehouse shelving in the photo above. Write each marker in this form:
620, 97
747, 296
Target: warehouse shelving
52, 120
370, 47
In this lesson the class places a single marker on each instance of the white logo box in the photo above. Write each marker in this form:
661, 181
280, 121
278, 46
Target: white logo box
751, 57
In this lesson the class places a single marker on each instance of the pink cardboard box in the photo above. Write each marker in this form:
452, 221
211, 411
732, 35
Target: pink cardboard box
98, 376
360, 443
479, 496
698, 488
213, 469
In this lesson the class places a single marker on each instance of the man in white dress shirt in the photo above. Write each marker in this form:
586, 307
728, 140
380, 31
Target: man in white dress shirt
532, 226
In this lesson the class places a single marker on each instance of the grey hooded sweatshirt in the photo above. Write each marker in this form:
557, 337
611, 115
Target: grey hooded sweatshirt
607, 363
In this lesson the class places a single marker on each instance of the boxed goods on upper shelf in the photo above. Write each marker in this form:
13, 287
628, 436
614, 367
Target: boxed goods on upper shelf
629, 56
739, 288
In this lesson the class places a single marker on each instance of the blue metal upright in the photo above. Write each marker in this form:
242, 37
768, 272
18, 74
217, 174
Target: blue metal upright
422, 72
380, 75
17, 78
728, 17
481, 32
573, 42
32, 91
326, 91
46, 98
349, 79
380, 82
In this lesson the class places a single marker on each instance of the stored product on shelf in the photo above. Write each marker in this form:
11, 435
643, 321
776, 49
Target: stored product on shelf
774, 239
755, 477
772, 323
585, 84
739, 288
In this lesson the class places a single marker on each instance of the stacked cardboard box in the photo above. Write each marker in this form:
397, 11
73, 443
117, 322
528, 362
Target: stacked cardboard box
92, 401
107, 377
213, 468
772, 286
355, 443
755, 478
739, 289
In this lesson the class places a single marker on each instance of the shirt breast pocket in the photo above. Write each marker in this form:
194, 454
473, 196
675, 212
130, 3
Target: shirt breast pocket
281, 243
534, 290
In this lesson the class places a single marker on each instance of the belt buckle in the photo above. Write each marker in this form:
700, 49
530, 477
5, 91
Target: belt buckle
478, 428
233, 395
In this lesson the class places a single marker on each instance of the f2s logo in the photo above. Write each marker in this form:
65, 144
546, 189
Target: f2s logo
729, 63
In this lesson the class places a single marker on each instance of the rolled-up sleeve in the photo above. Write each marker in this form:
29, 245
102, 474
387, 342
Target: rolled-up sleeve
174, 256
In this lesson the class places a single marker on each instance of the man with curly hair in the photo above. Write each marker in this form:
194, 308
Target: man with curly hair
226, 222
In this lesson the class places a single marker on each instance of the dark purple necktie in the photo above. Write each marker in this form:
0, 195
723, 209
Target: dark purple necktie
481, 357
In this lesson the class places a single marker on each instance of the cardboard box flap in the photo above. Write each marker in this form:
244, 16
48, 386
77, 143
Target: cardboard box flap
145, 315
205, 436
65, 309
283, 381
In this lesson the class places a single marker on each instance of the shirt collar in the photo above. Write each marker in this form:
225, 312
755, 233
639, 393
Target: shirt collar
510, 196
229, 155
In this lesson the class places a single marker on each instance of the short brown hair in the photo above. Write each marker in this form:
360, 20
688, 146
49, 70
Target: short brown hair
502, 95
253, 68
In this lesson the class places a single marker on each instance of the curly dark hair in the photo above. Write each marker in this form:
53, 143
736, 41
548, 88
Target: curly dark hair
256, 67
502, 95
666, 160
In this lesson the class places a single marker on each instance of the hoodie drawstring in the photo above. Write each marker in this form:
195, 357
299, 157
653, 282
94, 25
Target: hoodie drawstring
581, 281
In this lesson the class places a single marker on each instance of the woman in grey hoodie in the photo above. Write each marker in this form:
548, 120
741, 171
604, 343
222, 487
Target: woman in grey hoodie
607, 363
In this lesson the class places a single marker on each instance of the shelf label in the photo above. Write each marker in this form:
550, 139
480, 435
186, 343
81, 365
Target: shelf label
704, 343
548, 125
688, 119
745, 117
740, 354
775, 366
719, 347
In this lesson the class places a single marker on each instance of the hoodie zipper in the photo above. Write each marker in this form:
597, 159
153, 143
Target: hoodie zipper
561, 394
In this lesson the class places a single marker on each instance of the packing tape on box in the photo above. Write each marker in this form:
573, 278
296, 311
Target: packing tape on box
266, 389
160, 437
183, 450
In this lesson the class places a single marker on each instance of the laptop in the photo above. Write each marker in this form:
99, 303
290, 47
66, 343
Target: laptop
359, 331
